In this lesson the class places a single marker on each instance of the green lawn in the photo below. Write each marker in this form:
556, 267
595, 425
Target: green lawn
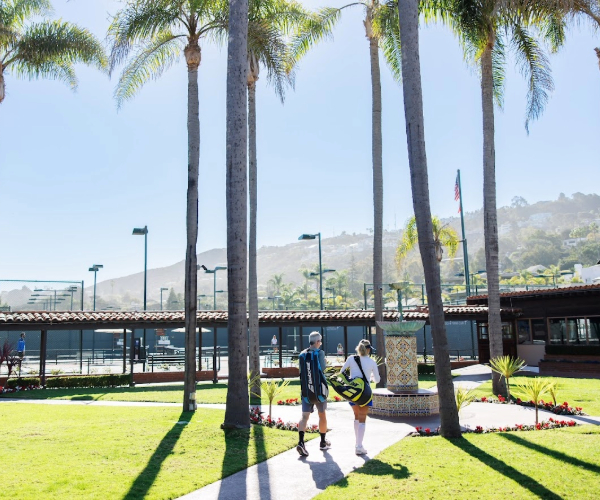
576, 391
556, 464
207, 392
57, 452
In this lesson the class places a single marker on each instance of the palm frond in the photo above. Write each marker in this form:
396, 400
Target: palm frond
152, 59
553, 31
13, 14
498, 70
141, 21
387, 28
52, 70
59, 42
317, 27
408, 241
535, 67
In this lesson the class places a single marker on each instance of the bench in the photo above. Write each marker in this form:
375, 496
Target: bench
160, 359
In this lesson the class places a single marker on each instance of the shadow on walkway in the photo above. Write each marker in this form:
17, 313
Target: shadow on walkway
264, 486
145, 480
510, 472
558, 455
326, 473
375, 467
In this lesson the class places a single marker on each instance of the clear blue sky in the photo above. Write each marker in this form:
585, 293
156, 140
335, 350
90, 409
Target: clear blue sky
76, 175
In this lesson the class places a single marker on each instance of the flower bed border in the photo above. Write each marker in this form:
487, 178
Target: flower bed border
257, 418
563, 409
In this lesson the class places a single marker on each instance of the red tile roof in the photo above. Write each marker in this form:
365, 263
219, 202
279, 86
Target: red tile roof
543, 291
423, 312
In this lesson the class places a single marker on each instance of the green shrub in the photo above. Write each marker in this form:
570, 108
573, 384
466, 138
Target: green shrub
88, 381
425, 369
24, 381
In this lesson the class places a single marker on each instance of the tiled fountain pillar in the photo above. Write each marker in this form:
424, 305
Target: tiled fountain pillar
402, 372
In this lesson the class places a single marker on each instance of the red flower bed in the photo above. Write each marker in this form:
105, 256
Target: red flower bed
563, 409
257, 418
551, 423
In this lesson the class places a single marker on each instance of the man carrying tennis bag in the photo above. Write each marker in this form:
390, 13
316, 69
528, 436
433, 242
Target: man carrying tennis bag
314, 391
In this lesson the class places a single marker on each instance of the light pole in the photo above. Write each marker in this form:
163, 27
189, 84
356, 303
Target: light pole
200, 297
273, 300
143, 231
95, 268
332, 290
161, 291
312, 237
214, 273
72, 290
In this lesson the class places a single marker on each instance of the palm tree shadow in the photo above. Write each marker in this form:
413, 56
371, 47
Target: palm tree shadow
375, 467
558, 455
234, 460
263, 465
510, 472
146, 478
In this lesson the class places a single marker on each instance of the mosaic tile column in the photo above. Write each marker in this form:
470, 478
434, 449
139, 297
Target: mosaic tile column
401, 354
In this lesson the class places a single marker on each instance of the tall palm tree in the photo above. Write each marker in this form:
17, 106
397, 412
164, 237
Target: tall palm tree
269, 22
408, 11
381, 30
486, 30
443, 236
236, 411
44, 48
158, 31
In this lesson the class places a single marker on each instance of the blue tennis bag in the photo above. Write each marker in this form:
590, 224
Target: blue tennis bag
312, 380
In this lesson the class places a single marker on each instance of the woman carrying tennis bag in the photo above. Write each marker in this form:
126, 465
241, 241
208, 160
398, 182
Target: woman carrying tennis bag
362, 368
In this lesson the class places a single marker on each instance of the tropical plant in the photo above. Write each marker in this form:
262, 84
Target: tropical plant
553, 388
381, 29
463, 397
158, 32
276, 281
268, 25
271, 389
44, 48
532, 389
443, 236
408, 13
486, 31
506, 366
236, 411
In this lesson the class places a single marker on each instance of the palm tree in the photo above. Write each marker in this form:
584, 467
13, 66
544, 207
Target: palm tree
43, 49
381, 30
408, 12
486, 30
277, 283
158, 31
236, 411
443, 236
268, 24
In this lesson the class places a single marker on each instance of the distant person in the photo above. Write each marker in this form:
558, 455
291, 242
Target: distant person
314, 385
274, 344
340, 349
369, 367
21, 346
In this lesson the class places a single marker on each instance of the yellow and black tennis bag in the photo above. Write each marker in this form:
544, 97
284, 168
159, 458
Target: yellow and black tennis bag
356, 390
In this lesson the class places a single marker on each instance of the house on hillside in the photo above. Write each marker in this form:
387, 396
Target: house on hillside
589, 275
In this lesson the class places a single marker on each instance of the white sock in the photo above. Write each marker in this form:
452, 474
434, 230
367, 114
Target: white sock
360, 434
356, 430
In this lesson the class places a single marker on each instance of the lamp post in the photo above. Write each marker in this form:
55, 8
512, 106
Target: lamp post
72, 290
201, 296
273, 300
161, 291
332, 290
214, 273
95, 268
312, 237
143, 231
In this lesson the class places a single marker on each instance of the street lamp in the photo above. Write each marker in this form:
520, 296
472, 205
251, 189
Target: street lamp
273, 300
161, 291
72, 290
143, 231
332, 290
214, 273
312, 237
95, 268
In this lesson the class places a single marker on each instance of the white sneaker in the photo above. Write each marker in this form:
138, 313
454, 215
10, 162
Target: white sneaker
359, 450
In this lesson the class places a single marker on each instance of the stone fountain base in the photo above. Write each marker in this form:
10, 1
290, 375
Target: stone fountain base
405, 404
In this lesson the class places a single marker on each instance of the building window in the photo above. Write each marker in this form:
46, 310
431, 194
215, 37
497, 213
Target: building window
538, 331
507, 331
576, 331
524, 331
482, 331
557, 330
593, 330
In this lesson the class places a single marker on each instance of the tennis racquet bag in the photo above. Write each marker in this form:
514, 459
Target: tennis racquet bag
356, 390
312, 381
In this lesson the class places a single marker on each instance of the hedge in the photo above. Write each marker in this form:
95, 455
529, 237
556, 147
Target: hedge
22, 382
88, 381
573, 350
425, 369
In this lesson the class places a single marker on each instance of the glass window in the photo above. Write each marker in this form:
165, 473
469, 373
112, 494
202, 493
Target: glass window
524, 331
557, 331
507, 331
593, 330
538, 331
576, 331
482, 331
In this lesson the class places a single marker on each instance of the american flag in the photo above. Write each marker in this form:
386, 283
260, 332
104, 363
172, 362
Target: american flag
457, 192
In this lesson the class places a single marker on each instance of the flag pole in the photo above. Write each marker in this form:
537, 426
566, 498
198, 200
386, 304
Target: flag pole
464, 237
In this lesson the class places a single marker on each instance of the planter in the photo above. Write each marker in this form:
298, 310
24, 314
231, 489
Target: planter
286, 372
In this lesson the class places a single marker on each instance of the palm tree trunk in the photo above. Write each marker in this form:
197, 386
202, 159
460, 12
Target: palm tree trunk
236, 411
252, 263
192, 54
2, 84
376, 146
489, 213
417, 160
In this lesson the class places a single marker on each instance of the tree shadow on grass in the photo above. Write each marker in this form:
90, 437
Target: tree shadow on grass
146, 478
558, 455
235, 460
264, 485
503, 468
375, 467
